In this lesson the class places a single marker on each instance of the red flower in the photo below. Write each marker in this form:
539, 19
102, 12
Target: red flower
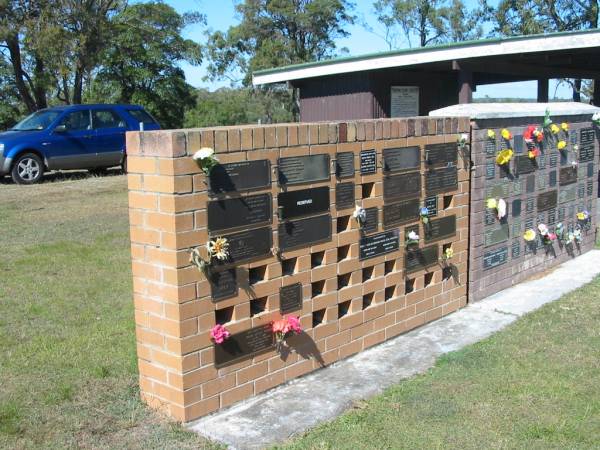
529, 133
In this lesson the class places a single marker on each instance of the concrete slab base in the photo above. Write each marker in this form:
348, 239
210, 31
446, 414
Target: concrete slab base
276, 415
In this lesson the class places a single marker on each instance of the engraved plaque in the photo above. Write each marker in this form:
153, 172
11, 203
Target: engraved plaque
441, 228
490, 147
441, 180
541, 182
568, 175
517, 187
401, 212
529, 223
542, 162
530, 184
516, 208
553, 159
519, 143
530, 204
490, 170
439, 155
344, 164
552, 178
303, 169
499, 233
431, 203
590, 188
372, 220
590, 170
290, 298
587, 147
303, 202
240, 176
244, 345
561, 214
567, 194
344, 195
223, 284
379, 244
236, 212
581, 190
368, 162
495, 258
250, 244
304, 232
551, 217
516, 227
399, 159
403, 185
516, 248
524, 164
547, 200
498, 189
422, 258
489, 217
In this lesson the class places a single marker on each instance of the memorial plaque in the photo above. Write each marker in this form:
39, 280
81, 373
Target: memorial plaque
401, 159
495, 258
553, 159
368, 162
551, 217
568, 175
541, 182
542, 162
495, 235
403, 185
519, 143
529, 223
431, 203
561, 214
517, 187
441, 228
237, 212
590, 188
587, 144
516, 249
516, 208
304, 232
401, 212
303, 202
530, 184
490, 147
590, 170
249, 244
303, 169
244, 345
344, 195
422, 258
240, 176
530, 204
290, 298
552, 178
440, 155
378, 244
567, 194
581, 190
223, 284
498, 189
372, 220
489, 217
524, 164
516, 227
547, 200
490, 170
441, 180
344, 164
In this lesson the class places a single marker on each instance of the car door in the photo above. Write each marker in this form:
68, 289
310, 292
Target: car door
109, 137
69, 145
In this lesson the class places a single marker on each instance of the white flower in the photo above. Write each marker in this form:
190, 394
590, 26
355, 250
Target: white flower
501, 209
463, 138
596, 117
413, 236
543, 229
203, 153
359, 213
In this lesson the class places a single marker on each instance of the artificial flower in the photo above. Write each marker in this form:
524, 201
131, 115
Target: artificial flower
203, 153
560, 229
219, 248
577, 234
554, 128
547, 119
412, 238
529, 235
564, 126
528, 134
491, 134
219, 333
534, 153
570, 237
491, 203
360, 214
561, 145
285, 326
449, 253
596, 118
543, 229
583, 215
501, 209
574, 163
294, 324
206, 158
506, 134
538, 134
552, 236
463, 138
424, 214
504, 156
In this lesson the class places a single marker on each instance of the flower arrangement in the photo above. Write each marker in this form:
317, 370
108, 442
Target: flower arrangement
504, 157
554, 129
596, 119
547, 236
498, 205
529, 235
462, 140
577, 235
219, 334
583, 216
447, 255
206, 159
412, 238
533, 134
534, 153
424, 215
360, 214
217, 248
561, 145
506, 134
491, 134
285, 327
560, 231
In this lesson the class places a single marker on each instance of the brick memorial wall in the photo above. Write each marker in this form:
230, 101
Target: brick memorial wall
284, 198
549, 189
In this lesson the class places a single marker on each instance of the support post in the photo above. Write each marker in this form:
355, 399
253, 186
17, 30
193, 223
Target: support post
465, 83
542, 90
596, 95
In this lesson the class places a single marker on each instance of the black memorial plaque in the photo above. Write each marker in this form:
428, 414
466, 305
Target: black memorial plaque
421, 258
344, 164
344, 195
400, 159
403, 185
561, 214
516, 227
519, 144
489, 217
552, 216
439, 155
223, 284
290, 298
567, 175
250, 244
303, 202
490, 147
490, 170
541, 182
530, 184
240, 176
237, 212
372, 220
431, 203
441, 180
497, 234
401, 212
516, 207
590, 169
304, 232
495, 258
530, 204
303, 169
590, 187
529, 223
552, 179
244, 345
378, 244
553, 159
441, 228
524, 164
368, 162
547, 200
516, 248
587, 144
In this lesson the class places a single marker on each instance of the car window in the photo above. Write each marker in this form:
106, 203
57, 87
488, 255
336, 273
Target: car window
77, 121
37, 121
141, 116
105, 118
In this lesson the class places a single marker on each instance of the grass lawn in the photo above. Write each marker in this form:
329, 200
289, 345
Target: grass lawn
68, 367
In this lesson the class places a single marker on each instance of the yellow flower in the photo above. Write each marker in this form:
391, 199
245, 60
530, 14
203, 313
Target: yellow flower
491, 203
582, 216
554, 128
506, 134
529, 235
561, 145
449, 253
504, 156
491, 134
219, 248
564, 126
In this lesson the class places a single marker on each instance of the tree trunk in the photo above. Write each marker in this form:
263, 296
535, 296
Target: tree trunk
78, 87
39, 90
577, 90
14, 49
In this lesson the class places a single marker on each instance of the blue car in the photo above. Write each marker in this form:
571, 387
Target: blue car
70, 137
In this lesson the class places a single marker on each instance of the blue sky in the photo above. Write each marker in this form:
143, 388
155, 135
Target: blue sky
221, 14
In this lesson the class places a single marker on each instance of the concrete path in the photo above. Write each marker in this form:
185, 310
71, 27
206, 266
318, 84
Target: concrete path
276, 415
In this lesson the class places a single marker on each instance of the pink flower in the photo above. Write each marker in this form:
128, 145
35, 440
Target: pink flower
219, 333
294, 324
552, 236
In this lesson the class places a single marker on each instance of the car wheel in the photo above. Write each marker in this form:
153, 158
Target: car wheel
28, 169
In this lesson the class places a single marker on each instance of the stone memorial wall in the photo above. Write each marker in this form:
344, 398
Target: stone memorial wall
284, 198
546, 189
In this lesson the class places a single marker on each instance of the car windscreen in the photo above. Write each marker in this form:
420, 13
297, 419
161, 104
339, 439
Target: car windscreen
37, 121
141, 116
